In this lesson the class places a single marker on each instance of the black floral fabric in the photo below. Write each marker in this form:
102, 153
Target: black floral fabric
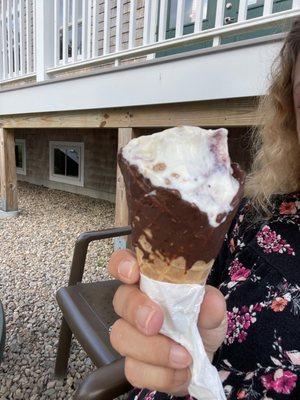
258, 271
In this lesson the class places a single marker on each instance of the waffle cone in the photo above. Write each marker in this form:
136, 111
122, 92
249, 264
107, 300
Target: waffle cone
155, 266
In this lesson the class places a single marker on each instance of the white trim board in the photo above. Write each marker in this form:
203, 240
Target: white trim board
66, 179
236, 72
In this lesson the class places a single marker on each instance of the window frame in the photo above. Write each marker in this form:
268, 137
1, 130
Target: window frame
22, 142
61, 178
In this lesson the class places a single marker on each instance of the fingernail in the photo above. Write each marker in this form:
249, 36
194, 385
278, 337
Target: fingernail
144, 315
125, 268
179, 356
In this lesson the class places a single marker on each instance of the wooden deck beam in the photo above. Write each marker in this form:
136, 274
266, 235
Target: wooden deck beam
8, 173
229, 112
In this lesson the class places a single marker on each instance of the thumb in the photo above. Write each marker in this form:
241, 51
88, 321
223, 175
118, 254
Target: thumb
213, 308
212, 322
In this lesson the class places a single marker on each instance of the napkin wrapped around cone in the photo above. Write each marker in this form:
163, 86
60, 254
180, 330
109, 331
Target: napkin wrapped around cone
178, 227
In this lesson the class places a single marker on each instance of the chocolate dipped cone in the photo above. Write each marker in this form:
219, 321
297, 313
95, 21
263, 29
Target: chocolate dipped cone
175, 241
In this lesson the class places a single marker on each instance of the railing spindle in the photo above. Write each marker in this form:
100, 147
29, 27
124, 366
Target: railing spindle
132, 24
106, 32
89, 29
65, 32
268, 7
74, 29
162, 27
180, 18
56, 33
16, 38
29, 60
9, 38
219, 20
84, 29
22, 38
4, 43
147, 15
153, 21
95, 44
199, 16
243, 8
119, 22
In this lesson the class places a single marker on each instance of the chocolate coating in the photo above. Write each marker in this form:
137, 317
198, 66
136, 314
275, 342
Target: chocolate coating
179, 228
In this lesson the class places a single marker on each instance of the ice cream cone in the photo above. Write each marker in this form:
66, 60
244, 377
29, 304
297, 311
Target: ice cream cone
173, 239
160, 268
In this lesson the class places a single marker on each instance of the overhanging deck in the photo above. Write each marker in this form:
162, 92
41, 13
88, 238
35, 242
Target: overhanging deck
116, 97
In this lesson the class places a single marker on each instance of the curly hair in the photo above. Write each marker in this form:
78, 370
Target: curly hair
276, 164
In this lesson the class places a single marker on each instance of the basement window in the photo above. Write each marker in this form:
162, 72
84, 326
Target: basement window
20, 152
66, 162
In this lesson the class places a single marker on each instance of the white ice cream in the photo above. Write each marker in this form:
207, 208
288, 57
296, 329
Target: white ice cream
193, 161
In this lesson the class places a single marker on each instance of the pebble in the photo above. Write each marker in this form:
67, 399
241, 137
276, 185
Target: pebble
36, 253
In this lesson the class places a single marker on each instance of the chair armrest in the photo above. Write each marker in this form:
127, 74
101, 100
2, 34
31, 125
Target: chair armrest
108, 382
81, 247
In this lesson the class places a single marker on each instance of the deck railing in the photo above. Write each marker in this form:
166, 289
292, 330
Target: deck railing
43, 37
16, 39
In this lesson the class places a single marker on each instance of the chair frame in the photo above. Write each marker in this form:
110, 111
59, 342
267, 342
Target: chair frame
65, 336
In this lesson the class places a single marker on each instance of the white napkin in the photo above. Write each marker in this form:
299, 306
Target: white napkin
181, 305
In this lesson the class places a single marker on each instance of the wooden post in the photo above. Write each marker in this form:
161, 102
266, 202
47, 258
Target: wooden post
8, 173
121, 213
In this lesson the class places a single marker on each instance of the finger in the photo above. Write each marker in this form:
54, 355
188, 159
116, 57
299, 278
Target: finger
171, 381
123, 266
157, 350
137, 309
213, 309
212, 320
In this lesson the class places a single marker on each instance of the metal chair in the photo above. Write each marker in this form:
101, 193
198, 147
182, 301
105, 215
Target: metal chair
88, 314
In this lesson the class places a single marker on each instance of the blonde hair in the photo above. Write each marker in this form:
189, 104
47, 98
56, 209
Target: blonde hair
276, 165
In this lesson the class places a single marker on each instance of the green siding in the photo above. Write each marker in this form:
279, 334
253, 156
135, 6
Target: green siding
254, 11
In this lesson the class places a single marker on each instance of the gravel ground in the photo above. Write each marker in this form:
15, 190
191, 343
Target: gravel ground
36, 251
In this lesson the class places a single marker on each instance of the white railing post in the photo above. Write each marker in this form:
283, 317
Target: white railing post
296, 4
29, 55
243, 8
22, 37
268, 7
44, 11
16, 38
74, 29
180, 18
219, 20
95, 44
132, 24
119, 21
162, 26
65, 38
106, 30
9, 38
89, 28
3, 41
147, 21
56, 28
153, 21
199, 16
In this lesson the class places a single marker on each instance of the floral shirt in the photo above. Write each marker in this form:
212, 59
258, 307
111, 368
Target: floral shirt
258, 271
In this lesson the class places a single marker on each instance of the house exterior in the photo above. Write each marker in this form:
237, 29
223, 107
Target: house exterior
80, 78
